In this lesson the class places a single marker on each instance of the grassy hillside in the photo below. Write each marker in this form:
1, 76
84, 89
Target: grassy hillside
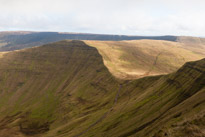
63, 89
197, 45
140, 58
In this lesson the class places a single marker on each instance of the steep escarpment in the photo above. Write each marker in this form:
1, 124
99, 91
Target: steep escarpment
51, 84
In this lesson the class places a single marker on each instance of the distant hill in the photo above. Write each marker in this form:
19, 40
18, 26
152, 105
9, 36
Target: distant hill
18, 40
139, 58
64, 89
194, 44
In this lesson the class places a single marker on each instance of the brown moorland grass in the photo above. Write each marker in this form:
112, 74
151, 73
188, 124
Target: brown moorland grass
139, 58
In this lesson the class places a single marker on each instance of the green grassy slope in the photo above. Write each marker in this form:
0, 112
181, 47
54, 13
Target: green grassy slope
64, 89
55, 81
171, 105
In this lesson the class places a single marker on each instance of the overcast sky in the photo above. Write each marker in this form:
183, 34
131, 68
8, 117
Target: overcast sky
129, 17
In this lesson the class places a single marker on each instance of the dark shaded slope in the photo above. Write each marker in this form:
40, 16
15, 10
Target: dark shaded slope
13, 41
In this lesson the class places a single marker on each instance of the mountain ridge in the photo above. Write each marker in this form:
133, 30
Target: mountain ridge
133, 56
63, 88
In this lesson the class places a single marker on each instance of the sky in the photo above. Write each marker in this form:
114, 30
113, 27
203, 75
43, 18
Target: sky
123, 17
